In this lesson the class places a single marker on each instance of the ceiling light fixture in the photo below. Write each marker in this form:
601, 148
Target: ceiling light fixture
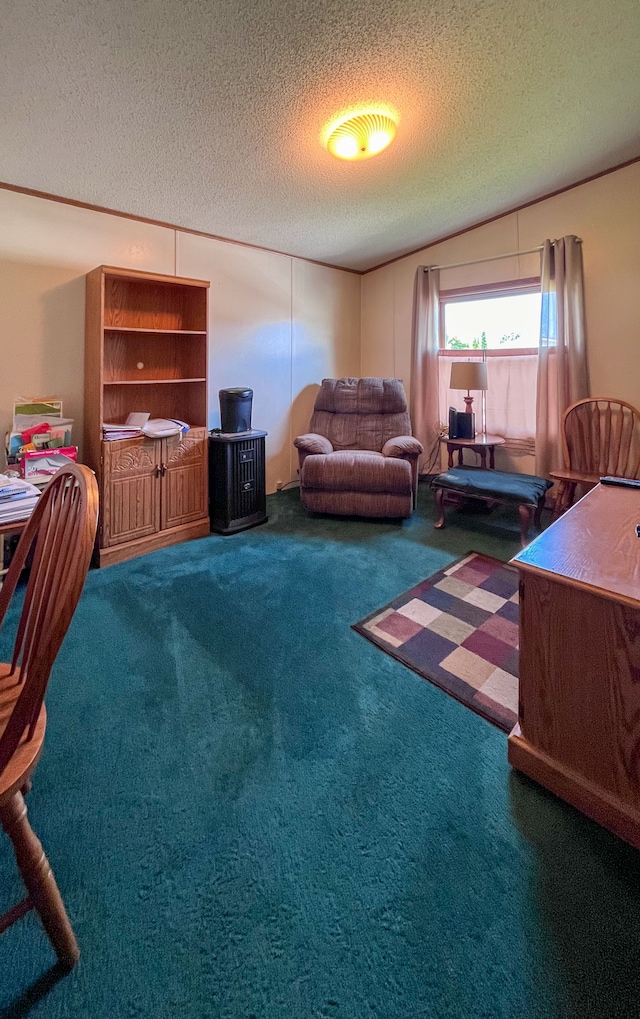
361, 135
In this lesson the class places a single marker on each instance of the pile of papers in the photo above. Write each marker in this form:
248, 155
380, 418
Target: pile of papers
141, 424
38, 422
17, 499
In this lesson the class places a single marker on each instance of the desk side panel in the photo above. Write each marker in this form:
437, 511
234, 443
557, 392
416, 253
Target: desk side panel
580, 683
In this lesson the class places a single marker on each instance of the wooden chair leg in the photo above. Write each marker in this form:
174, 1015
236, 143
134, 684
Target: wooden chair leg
39, 880
559, 499
526, 516
439, 493
565, 498
537, 517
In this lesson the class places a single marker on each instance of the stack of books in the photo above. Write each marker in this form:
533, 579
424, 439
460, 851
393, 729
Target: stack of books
18, 499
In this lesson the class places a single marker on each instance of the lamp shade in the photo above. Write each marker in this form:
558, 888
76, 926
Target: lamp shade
468, 375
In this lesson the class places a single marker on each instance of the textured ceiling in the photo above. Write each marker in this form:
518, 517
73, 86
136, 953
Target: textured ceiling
208, 114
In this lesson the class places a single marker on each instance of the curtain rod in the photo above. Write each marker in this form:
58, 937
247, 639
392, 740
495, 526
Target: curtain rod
490, 258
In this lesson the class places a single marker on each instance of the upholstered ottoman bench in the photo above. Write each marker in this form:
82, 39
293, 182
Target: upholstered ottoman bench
526, 491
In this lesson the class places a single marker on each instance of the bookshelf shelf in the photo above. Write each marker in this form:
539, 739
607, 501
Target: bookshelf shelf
150, 382
160, 332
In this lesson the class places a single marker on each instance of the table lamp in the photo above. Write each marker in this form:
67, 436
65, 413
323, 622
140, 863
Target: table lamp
469, 375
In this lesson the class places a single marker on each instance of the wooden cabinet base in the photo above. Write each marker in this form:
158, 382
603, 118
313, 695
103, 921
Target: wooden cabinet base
152, 542
593, 801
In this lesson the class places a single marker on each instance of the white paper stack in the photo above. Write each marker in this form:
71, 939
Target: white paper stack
17, 499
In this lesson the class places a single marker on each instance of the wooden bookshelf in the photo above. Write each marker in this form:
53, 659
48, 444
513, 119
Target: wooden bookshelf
146, 350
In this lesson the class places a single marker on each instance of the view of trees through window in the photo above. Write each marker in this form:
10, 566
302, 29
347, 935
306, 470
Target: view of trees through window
505, 322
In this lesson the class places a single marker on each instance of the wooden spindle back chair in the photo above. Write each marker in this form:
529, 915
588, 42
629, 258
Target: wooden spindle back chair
600, 437
60, 537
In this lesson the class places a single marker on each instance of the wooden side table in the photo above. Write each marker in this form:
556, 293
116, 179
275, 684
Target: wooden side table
481, 444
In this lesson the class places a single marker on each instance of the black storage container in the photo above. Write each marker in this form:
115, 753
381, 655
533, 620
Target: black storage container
237, 494
235, 410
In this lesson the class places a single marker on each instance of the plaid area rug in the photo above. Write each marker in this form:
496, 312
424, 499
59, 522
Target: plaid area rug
459, 629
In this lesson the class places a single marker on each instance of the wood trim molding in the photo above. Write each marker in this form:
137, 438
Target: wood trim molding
4, 186
501, 215
167, 226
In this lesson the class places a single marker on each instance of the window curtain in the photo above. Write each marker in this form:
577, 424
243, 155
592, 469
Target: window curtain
424, 359
563, 375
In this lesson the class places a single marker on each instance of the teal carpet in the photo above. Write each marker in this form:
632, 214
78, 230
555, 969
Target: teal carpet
253, 813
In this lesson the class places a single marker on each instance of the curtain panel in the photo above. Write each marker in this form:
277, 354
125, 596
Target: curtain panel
424, 360
563, 375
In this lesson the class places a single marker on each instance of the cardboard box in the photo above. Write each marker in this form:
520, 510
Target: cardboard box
42, 464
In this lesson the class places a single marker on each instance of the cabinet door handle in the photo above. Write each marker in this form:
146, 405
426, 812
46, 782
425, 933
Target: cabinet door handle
161, 470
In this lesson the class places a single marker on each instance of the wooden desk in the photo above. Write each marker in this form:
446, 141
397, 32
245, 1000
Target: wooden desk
578, 732
481, 444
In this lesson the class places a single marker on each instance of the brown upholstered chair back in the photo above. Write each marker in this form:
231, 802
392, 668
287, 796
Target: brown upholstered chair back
360, 413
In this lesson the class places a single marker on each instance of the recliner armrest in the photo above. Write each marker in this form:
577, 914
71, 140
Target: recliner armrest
311, 442
403, 446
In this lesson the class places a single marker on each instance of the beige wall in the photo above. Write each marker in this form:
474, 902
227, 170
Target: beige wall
277, 324
280, 324
605, 213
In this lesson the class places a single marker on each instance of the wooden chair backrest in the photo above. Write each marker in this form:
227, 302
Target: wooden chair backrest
61, 533
601, 437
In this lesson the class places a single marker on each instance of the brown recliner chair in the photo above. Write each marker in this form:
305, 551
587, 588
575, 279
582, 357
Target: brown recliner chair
359, 457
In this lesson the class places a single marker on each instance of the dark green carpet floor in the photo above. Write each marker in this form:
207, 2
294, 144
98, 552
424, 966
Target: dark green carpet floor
254, 812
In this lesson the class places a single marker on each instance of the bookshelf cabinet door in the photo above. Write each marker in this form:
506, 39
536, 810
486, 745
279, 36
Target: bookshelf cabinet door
131, 490
185, 490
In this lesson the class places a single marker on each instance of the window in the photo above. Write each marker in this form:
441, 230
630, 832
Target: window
508, 321
499, 323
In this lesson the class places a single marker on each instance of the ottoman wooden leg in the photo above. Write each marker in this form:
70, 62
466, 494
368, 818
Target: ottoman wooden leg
526, 516
440, 508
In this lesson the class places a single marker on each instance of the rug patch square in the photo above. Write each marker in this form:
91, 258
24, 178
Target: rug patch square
399, 626
488, 647
415, 592
463, 622
510, 611
431, 647
469, 667
500, 714
484, 599
451, 585
511, 662
450, 627
501, 689
372, 628
501, 583
481, 564
471, 576
472, 557
503, 629
439, 599
420, 612
469, 613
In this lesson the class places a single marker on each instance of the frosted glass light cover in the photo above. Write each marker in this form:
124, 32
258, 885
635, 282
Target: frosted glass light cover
361, 136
